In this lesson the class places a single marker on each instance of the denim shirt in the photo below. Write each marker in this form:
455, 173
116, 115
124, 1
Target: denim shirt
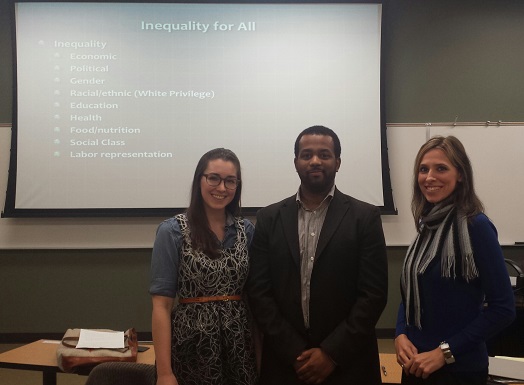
166, 253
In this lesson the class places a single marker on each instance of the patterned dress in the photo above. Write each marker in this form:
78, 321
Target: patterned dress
212, 341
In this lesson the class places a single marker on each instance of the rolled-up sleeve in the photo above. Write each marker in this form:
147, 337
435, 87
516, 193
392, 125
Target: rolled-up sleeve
165, 259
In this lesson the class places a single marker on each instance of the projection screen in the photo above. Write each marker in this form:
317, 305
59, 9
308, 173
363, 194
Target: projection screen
116, 102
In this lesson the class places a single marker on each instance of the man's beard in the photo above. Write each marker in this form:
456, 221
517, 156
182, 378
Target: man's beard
317, 185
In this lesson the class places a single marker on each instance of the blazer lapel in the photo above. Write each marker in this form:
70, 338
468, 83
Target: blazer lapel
336, 211
289, 216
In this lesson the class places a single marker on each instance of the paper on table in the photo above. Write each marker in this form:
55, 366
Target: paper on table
509, 367
97, 339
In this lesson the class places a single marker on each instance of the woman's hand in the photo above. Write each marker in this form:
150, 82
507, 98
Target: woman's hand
423, 364
168, 379
161, 330
405, 350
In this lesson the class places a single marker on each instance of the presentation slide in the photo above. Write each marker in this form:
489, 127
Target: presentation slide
116, 102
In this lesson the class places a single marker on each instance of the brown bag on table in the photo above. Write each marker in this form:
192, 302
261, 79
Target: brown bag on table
70, 359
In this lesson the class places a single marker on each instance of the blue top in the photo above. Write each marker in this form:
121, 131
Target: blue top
166, 253
453, 310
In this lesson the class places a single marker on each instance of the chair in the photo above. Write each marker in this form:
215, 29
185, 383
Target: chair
510, 341
122, 373
517, 276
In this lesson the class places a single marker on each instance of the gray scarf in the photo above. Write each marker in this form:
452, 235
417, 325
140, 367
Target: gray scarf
443, 233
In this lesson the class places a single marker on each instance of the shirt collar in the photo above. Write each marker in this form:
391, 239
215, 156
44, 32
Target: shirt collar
328, 197
230, 220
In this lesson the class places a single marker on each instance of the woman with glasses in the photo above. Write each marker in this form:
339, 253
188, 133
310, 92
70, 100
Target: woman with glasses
201, 256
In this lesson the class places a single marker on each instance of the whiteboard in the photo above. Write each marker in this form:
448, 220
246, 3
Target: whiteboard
497, 158
495, 152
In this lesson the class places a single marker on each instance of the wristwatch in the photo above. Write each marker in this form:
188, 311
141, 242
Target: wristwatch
448, 356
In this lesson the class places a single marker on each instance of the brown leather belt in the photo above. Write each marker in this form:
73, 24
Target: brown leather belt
211, 299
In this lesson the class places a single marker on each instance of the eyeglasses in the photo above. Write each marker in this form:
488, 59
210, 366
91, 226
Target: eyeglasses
214, 180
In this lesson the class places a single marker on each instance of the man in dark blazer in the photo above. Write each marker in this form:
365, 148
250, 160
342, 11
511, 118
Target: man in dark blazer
318, 276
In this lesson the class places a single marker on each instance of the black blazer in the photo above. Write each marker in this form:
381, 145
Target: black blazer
348, 290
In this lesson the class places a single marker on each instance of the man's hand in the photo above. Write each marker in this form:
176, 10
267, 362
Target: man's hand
313, 366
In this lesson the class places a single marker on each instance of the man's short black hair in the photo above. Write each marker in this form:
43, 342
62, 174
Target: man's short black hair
320, 130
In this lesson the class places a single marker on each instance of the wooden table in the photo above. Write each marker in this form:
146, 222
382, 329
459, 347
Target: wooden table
390, 370
41, 356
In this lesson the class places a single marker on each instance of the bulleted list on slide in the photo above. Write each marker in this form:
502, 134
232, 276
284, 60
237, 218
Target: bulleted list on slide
88, 121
